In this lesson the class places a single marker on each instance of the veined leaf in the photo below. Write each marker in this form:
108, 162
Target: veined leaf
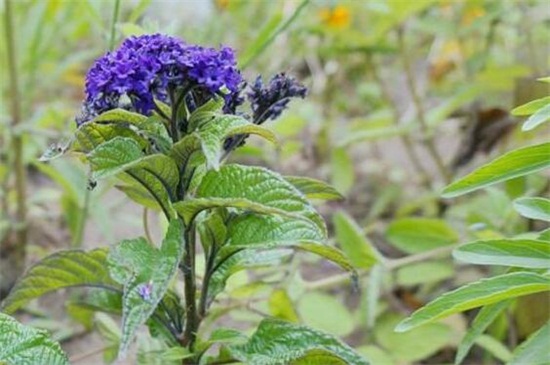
520, 162
534, 350
314, 189
533, 208
277, 342
477, 294
483, 319
257, 185
63, 269
412, 235
114, 156
533, 254
90, 135
120, 115
213, 133
21, 344
146, 273
353, 241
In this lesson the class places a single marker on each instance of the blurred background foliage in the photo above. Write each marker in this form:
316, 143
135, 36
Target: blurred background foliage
405, 95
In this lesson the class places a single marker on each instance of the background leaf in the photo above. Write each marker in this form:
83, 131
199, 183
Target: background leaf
535, 349
412, 235
349, 235
533, 208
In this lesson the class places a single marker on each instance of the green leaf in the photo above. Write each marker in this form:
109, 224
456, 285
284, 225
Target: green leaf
120, 115
519, 162
483, 320
146, 273
540, 117
476, 294
351, 238
526, 253
544, 235
530, 107
342, 168
494, 347
257, 185
21, 344
213, 133
313, 188
63, 269
533, 208
90, 135
114, 156
420, 343
413, 235
313, 308
277, 342
424, 272
280, 306
534, 350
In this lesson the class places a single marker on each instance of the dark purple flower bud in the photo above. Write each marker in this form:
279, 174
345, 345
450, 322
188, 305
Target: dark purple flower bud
269, 101
143, 68
145, 290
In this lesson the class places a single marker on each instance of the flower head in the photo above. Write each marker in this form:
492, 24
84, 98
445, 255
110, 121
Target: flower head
269, 101
149, 67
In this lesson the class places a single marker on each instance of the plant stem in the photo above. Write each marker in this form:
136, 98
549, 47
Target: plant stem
116, 11
20, 245
428, 138
79, 235
146, 225
192, 319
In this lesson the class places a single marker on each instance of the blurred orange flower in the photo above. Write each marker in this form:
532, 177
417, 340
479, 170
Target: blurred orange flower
335, 17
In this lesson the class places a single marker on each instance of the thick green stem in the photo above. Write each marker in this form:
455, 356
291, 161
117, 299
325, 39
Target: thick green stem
192, 319
18, 248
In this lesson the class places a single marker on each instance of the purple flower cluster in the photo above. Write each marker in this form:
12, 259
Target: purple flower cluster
145, 68
269, 101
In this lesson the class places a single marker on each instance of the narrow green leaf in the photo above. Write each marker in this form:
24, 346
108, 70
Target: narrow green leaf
21, 344
146, 273
313, 188
519, 162
534, 351
495, 347
526, 253
483, 319
533, 208
540, 117
413, 235
349, 235
63, 269
530, 107
277, 342
342, 168
120, 115
114, 156
477, 294
544, 235
424, 272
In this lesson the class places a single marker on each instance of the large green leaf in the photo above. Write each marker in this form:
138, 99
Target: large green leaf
477, 294
63, 269
506, 252
277, 342
213, 133
23, 345
90, 135
412, 235
258, 185
520, 162
146, 273
483, 319
314, 189
534, 351
533, 208
349, 235
114, 156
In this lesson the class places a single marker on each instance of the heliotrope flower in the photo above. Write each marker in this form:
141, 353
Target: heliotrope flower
148, 67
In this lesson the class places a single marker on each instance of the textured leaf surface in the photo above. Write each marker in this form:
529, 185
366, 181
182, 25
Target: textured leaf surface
513, 164
61, 270
146, 273
314, 189
23, 345
412, 235
114, 156
533, 254
353, 241
278, 342
483, 319
90, 135
534, 350
477, 294
122, 116
533, 208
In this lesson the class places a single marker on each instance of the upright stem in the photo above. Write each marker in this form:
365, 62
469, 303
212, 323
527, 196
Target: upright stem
428, 138
192, 320
116, 10
17, 145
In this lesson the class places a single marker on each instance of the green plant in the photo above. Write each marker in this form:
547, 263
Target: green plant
527, 255
161, 116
